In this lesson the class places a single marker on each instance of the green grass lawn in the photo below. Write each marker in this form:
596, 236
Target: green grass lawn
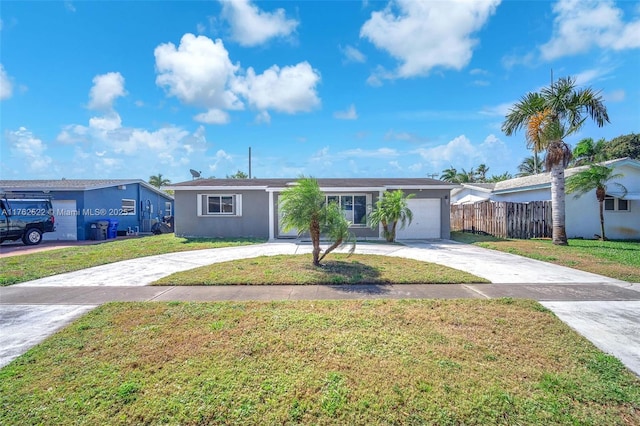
336, 269
17, 269
439, 362
615, 259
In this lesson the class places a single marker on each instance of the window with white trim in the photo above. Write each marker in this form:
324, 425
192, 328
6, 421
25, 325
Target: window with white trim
167, 208
219, 205
615, 204
128, 207
353, 206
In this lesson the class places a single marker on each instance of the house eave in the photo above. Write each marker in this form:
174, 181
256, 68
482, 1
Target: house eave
523, 189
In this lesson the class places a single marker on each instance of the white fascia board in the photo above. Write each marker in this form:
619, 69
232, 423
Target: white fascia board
523, 189
393, 187
216, 188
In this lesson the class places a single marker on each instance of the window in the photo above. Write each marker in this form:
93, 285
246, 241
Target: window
354, 207
615, 204
167, 208
128, 207
219, 205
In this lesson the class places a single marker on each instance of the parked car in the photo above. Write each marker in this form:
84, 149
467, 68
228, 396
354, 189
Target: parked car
26, 219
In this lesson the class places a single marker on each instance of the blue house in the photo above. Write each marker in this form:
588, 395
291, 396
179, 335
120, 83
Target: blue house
79, 203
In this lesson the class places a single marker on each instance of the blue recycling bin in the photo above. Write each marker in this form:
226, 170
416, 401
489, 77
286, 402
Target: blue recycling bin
113, 228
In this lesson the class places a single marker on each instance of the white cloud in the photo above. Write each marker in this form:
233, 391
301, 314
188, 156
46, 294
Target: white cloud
349, 114
423, 35
198, 72
251, 26
615, 96
69, 6
581, 25
402, 136
111, 121
29, 149
289, 89
478, 71
213, 116
263, 117
500, 110
106, 89
461, 152
6, 88
221, 158
351, 54
588, 76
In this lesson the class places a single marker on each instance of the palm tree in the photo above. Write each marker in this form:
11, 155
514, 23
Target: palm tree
449, 175
550, 116
530, 166
481, 173
304, 207
158, 181
391, 208
500, 178
595, 177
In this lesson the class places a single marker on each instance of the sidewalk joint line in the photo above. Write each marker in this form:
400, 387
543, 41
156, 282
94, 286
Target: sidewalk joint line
475, 290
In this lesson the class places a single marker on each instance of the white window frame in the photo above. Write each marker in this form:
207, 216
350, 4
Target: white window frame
128, 207
616, 204
167, 208
203, 205
368, 201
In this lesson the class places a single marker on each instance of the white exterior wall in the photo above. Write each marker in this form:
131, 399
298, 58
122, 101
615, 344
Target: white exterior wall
583, 217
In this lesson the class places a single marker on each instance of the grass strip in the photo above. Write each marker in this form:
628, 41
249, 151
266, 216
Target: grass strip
340, 269
444, 362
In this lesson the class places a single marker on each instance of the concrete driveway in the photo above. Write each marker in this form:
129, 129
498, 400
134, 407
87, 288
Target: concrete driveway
30, 311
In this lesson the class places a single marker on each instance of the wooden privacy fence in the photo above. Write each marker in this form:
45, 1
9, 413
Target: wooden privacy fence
504, 219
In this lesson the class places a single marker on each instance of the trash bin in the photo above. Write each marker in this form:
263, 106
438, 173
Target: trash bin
113, 228
103, 228
94, 233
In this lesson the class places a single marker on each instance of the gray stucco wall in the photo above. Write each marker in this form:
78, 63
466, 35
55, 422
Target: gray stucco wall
253, 223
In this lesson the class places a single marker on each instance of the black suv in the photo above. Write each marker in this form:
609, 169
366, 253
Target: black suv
26, 218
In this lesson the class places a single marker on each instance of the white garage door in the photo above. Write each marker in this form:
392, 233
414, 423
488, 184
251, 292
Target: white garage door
66, 221
426, 220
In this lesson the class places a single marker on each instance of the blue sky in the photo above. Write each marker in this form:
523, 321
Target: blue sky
129, 89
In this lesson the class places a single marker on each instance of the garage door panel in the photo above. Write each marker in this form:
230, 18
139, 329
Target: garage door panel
66, 221
426, 220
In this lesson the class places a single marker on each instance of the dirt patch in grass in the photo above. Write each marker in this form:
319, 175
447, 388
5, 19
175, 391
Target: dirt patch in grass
333, 362
615, 259
340, 269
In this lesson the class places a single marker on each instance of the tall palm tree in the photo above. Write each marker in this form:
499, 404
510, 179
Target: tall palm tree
392, 208
596, 177
550, 116
304, 207
158, 181
530, 166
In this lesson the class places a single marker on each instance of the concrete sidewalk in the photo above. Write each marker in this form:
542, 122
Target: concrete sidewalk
31, 311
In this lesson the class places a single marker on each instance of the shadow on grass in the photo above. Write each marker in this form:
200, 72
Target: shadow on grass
344, 272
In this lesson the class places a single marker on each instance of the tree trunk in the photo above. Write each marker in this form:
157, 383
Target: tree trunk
559, 232
314, 232
600, 194
392, 234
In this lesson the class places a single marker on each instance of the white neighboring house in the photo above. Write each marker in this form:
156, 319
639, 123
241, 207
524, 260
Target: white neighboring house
622, 211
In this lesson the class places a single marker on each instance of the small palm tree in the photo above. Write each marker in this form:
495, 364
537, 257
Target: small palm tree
550, 116
596, 177
392, 208
449, 175
530, 166
158, 181
481, 173
304, 208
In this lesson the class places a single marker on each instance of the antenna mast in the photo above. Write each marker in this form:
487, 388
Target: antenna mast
249, 162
